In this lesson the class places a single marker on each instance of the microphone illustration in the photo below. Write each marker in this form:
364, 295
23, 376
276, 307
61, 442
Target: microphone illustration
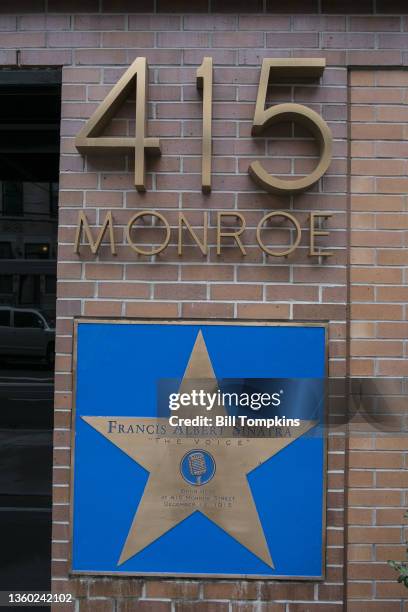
197, 465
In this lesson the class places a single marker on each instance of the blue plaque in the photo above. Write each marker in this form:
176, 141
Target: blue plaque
199, 449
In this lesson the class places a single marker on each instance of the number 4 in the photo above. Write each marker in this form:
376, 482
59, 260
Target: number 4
88, 139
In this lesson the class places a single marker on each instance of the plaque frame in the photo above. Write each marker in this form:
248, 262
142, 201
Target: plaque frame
194, 321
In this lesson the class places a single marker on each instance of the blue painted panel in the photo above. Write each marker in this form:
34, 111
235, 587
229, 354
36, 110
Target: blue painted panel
118, 367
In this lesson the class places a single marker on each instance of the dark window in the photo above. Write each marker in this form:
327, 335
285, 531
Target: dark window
51, 284
5, 250
6, 283
36, 250
13, 198
5, 318
27, 319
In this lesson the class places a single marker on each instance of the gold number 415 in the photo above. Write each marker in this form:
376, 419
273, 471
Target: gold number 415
89, 140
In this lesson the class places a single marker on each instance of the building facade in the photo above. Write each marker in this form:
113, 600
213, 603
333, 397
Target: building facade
360, 288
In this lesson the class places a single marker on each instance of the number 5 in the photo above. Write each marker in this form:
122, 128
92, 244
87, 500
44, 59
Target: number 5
290, 112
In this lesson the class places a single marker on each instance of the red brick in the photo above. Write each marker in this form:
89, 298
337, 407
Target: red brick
292, 39
207, 310
201, 606
373, 498
360, 552
374, 535
270, 591
379, 58
44, 22
295, 293
373, 606
230, 590
106, 587
73, 39
92, 605
99, 308
184, 291
359, 590
101, 57
263, 311
320, 312
368, 24
348, 41
151, 309
21, 40
162, 590
236, 292
128, 40
99, 22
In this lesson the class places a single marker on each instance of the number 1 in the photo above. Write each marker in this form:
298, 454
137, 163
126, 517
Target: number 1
204, 82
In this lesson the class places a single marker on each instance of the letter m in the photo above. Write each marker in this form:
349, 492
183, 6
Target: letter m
83, 226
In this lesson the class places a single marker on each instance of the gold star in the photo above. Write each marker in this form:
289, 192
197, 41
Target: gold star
168, 499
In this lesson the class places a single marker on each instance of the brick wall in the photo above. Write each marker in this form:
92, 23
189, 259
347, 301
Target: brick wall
95, 47
229, 285
378, 475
